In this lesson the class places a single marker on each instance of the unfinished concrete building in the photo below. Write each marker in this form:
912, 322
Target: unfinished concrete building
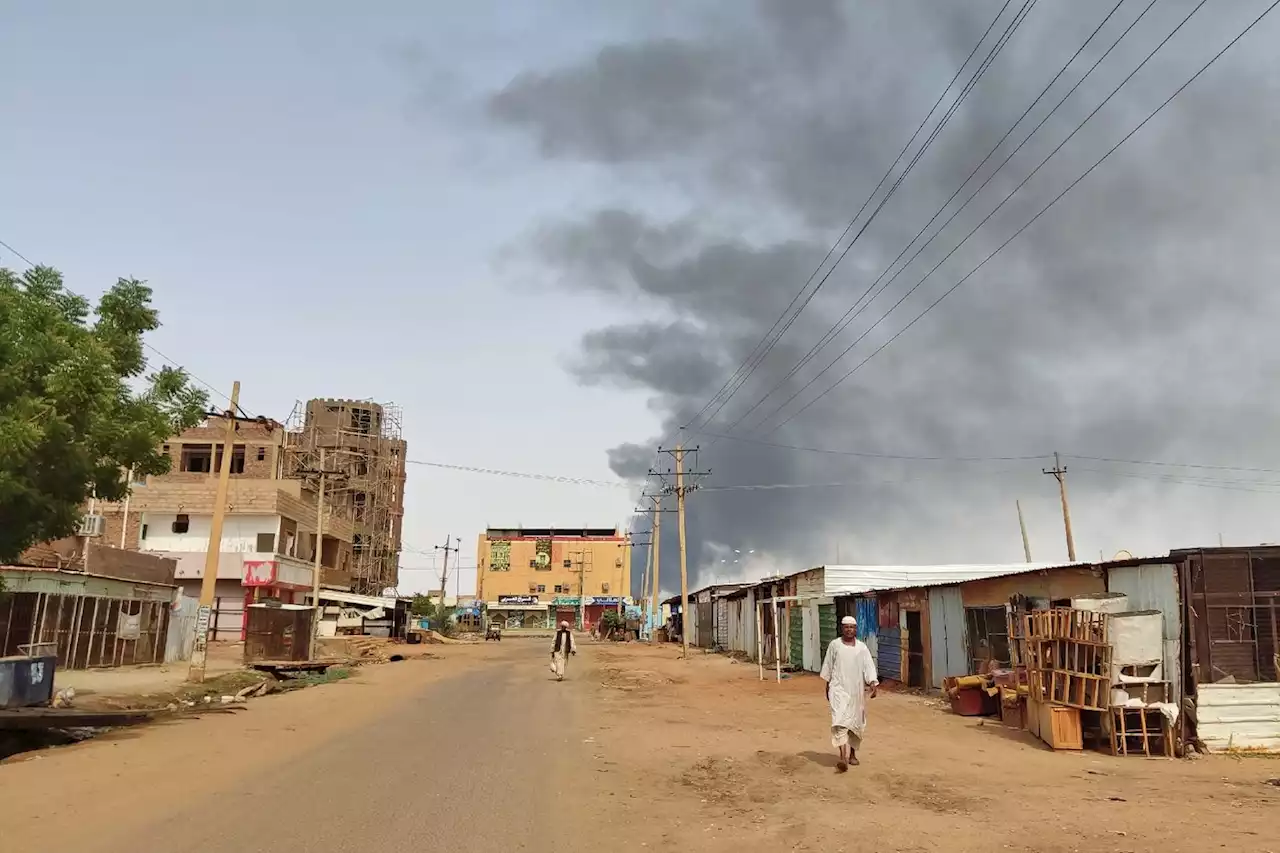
360, 443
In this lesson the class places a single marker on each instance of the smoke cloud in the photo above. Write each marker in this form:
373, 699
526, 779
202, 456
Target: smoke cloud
1134, 320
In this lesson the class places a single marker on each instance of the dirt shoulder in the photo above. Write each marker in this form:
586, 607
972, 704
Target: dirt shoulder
739, 764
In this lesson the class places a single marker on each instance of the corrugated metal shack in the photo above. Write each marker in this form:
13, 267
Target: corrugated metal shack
86, 620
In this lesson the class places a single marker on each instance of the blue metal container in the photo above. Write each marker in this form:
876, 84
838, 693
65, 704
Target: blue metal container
26, 682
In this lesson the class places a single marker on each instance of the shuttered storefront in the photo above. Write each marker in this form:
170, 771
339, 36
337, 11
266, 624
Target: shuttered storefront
796, 635
826, 627
889, 654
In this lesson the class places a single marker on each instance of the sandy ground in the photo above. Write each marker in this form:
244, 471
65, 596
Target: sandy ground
478, 747
141, 680
738, 764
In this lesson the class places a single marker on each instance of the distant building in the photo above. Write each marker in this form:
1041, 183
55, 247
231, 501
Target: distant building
538, 577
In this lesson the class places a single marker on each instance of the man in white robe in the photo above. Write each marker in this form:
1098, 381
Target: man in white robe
564, 646
850, 674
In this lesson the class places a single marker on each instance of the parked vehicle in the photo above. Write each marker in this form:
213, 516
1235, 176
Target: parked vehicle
494, 631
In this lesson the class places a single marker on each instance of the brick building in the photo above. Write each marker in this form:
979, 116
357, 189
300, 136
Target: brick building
269, 536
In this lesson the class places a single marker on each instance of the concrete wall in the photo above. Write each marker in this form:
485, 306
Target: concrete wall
607, 561
129, 565
239, 532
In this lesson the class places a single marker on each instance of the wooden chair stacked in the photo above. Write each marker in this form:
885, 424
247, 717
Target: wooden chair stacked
1068, 658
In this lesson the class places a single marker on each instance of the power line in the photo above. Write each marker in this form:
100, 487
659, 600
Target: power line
752, 362
171, 361
1047, 207
1244, 468
14, 251
854, 310
577, 481
871, 455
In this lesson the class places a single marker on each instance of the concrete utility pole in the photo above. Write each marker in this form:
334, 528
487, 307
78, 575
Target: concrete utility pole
1059, 473
209, 583
1022, 525
680, 491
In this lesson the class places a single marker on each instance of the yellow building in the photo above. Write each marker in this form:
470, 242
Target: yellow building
538, 577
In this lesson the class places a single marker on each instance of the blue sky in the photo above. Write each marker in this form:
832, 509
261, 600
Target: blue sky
318, 202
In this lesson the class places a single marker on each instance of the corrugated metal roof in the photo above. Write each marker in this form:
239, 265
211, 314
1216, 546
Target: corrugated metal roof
848, 580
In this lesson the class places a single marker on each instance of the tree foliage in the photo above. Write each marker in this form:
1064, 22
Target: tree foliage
75, 410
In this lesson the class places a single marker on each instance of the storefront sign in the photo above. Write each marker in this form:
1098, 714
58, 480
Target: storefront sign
517, 599
566, 601
259, 572
605, 600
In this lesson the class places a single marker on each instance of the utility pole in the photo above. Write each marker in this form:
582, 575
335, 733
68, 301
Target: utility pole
444, 574
1059, 473
319, 552
655, 608
213, 553
1026, 543
680, 491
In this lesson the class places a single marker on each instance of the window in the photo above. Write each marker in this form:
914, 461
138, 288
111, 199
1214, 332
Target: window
164, 449
533, 564
142, 534
542, 587
568, 564
559, 588
262, 454
237, 459
196, 458
181, 523
362, 420
136, 479
266, 543
988, 631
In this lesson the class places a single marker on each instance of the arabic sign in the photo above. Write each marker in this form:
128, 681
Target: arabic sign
605, 600
517, 599
259, 573
566, 601
500, 556
542, 553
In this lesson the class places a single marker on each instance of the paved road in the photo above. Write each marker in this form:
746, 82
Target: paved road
479, 757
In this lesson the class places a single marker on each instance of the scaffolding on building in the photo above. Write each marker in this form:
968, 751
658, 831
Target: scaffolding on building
361, 441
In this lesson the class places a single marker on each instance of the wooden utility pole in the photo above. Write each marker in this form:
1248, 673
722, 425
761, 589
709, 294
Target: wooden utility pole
444, 573
213, 553
655, 607
1022, 525
680, 490
1059, 473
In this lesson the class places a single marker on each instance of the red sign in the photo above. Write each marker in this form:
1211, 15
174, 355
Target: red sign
259, 573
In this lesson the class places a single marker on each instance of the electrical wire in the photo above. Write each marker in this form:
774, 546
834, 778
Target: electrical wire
854, 310
172, 362
1047, 207
871, 455
752, 360
1244, 468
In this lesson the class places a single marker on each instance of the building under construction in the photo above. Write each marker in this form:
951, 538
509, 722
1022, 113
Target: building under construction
359, 444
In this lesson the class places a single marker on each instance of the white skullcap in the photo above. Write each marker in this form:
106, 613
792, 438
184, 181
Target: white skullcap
564, 624
848, 620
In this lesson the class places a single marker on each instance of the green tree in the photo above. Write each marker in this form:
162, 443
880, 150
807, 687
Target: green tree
75, 410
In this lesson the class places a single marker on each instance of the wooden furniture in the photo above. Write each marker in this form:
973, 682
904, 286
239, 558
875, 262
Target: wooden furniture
1141, 731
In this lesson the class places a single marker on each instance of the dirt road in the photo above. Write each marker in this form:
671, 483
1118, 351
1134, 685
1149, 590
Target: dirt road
637, 750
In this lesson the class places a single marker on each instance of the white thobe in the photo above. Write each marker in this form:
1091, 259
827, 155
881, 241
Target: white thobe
848, 671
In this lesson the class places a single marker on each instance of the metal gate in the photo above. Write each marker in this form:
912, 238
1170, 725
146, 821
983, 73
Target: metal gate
946, 632
796, 634
826, 629
706, 628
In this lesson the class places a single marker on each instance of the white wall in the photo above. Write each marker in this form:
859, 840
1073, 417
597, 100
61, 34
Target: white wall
239, 532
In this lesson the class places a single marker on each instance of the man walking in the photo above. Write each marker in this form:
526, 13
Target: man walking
849, 671
564, 647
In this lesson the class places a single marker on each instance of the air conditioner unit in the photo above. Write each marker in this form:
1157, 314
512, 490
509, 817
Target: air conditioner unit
91, 525
617, 564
